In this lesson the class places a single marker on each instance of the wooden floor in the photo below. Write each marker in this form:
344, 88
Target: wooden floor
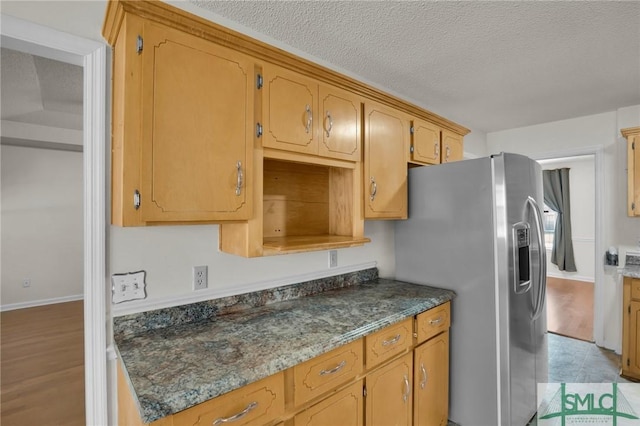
570, 308
42, 365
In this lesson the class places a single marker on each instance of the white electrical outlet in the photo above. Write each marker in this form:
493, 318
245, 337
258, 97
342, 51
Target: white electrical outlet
128, 286
333, 258
26, 282
199, 277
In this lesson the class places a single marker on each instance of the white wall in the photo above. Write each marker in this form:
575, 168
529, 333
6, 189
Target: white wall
600, 131
583, 225
475, 144
168, 253
42, 225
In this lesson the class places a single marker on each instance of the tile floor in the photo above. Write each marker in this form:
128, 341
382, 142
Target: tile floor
577, 361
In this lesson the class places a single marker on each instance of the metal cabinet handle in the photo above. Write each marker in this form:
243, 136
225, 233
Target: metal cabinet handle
423, 382
407, 389
330, 124
334, 369
240, 178
542, 267
435, 321
235, 417
309, 118
373, 188
393, 341
447, 153
436, 149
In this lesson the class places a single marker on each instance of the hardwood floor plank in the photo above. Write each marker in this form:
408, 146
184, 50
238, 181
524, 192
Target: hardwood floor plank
570, 308
42, 365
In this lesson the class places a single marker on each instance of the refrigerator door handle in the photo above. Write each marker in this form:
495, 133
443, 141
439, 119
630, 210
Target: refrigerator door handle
542, 264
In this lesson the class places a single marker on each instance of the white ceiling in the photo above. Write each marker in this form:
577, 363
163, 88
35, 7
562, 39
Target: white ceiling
487, 65
40, 91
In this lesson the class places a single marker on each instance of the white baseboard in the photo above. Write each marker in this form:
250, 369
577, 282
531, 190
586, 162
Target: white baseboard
42, 302
571, 277
137, 306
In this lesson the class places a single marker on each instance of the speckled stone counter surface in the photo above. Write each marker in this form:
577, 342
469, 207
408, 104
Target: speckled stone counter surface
631, 266
178, 365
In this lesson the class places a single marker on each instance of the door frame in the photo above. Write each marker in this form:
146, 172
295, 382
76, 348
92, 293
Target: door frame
598, 290
35, 39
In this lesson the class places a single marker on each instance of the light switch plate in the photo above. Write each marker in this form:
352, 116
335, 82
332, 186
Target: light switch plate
129, 286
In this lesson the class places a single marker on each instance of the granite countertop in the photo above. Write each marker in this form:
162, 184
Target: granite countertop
631, 266
184, 364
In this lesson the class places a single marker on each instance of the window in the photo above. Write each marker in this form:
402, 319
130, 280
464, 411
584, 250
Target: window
549, 223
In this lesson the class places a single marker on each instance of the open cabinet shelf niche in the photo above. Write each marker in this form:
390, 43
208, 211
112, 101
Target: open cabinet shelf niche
304, 207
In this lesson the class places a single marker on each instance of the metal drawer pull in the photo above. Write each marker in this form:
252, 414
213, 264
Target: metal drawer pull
423, 383
240, 178
235, 417
435, 321
448, 152
373, 188
309, 118
407, 389
334, 369
330, 124
391, 341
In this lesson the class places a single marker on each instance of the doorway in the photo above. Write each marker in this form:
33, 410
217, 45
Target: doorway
28, 37
570, 295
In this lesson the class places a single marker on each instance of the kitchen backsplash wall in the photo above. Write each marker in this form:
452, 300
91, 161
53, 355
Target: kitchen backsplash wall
168, 254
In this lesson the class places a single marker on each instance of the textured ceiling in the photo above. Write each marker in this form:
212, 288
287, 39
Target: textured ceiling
486, 65
40, 91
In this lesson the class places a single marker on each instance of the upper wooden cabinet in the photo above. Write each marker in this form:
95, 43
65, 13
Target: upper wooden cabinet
182, 120
301, 115
452, 149
386, 136
633, 170
425, 142
431, 144
203, 116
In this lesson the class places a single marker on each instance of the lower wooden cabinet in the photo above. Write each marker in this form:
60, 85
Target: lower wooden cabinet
389, 394
631, 329
356, 384
431, 382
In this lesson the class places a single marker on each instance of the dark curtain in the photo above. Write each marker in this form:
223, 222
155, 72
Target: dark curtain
556, 196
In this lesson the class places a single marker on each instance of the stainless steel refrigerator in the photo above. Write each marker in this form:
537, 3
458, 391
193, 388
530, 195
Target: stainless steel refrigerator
475, 227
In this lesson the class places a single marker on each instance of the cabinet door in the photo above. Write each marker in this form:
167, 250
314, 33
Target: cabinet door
344, 408
425, 142
634, 339
197, 102
389, 401
451, 147
339, 124
431, 382
289, 108
385, 166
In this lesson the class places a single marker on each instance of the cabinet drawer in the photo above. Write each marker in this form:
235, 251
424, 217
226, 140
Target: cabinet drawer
388, 342
635, 289
255, 404
433, 322
327, 371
